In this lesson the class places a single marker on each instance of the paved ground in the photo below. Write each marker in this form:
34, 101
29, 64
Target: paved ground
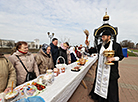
128, 83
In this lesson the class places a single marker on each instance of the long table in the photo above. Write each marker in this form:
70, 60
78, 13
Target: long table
66, 83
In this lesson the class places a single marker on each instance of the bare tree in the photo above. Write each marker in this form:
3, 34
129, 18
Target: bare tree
10, 44
127, 43
137, 45
64, 39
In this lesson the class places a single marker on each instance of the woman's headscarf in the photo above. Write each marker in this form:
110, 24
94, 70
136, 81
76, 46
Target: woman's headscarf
44, 48
72, 51
63, 46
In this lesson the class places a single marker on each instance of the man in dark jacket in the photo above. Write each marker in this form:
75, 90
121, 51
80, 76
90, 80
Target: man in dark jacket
112, 93
54, 49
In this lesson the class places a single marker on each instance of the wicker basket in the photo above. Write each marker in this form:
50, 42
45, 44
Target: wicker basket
61, 65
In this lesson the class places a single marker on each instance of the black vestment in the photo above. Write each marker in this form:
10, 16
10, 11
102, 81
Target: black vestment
114, 75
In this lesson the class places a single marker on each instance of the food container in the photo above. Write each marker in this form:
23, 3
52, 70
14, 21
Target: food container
49, 79
49, 71
76, 68
82, 61
2, 97
63, 70
46, 79
10, 96
31, 91
40, 79
61, 67
56, 72
40, 87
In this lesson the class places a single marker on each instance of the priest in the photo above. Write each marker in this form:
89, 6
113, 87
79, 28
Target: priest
105, 88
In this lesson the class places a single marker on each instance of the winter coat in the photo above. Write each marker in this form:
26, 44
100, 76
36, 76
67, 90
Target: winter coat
63, 53
73, 58
73, 54
7, 74
44, 62
28, 61
79, 54
54, 52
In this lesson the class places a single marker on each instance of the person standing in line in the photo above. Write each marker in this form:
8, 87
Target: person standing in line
79, 52
63, 53
7, 74
44, 59
68, 53
54, 50
73, 54
28, 60
76, 49
112, 94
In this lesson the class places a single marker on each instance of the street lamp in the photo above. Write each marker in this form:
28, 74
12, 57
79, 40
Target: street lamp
50, 36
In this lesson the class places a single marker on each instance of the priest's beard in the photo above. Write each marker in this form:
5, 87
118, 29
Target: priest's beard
105, 42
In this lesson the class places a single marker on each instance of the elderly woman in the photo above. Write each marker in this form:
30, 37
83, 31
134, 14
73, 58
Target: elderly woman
27, 59
7, 74
44, 59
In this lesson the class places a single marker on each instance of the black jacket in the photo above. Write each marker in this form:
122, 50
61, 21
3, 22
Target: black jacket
63, 53
73, 58
114, 73
54, 52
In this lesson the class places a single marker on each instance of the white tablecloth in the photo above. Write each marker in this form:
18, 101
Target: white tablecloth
66, 83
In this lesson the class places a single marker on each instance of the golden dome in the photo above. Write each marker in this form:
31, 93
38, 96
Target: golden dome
106, 17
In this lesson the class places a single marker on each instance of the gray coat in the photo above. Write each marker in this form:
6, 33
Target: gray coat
28, 61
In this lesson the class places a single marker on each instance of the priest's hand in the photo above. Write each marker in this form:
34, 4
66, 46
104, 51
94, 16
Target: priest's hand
87, 42
110, 59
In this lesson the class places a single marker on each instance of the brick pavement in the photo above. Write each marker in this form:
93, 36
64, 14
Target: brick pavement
128, 83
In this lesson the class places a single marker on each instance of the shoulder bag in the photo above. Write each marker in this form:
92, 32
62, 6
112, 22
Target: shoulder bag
30, 75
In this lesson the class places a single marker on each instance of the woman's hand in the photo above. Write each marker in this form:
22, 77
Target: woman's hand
69, 62
7, 90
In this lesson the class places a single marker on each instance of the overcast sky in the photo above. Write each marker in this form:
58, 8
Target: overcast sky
31, 19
